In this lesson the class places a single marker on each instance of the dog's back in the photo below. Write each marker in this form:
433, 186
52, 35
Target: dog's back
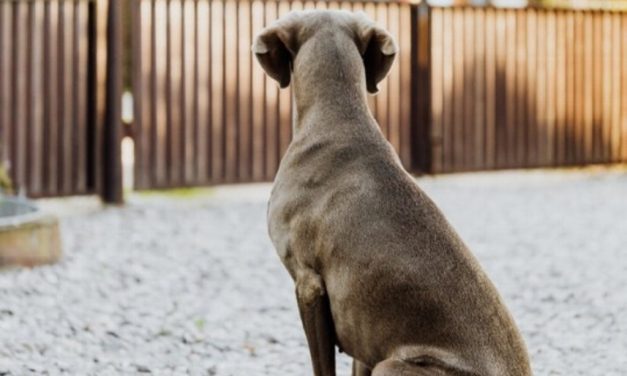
354, 228
398, 276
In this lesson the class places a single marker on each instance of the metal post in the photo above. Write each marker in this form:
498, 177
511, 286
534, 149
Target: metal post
112, 191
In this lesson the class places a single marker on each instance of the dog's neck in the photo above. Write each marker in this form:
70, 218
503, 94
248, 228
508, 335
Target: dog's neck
329, 84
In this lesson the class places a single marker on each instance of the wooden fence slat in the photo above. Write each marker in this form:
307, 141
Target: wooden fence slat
542, 91
217, 91
623, 85
457, 127
271, 108
479, 65
5, 26
561, 71
548, 136
19, 93
615, 96
509, 128
35, 89
160, 107
501, 89
405, 69
245, 93
588, 80
469, 82
491, 75
597, 87
437, 91
258, 105
520, 100
569, 119
202, 68
189, 92
230, 90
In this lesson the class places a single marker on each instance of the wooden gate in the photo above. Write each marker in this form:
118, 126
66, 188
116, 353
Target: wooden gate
523, 88
206, 113
49, 102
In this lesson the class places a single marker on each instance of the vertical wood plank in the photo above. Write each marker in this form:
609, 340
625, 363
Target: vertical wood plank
531, 151
479, 90
605, 118
550, 79
542, 91
50, 63
448, 91
258, 103
491, 73
144, 163
457, 125
520, 101
203, 87
501, 89
19, 94
5, 32
160, 113
588, 87
579, 95
509, 128
36, 90
176, 124
597, 110
623, 78
405, 43
187, 124
80, 138
614, 79
217, 91
244, 90
68, 125
469, 82
437, 92
560, 92
569, 122
231, 66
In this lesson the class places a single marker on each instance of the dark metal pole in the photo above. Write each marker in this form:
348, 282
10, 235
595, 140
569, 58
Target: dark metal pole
112, 134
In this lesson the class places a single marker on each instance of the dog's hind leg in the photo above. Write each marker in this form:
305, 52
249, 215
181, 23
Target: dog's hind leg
397, 367
360, 369
315, 313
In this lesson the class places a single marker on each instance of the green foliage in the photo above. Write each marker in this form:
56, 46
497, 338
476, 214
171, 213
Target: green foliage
6, 185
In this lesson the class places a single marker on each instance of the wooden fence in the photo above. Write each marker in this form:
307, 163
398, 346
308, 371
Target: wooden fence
526, 88
472, 89
206, 113
48, 95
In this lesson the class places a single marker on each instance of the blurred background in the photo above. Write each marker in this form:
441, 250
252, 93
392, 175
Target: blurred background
512, 114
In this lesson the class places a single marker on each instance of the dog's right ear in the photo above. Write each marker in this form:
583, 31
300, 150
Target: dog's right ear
378, 50
271, 49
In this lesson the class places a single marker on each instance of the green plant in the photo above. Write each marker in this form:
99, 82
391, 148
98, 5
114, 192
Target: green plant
6, 185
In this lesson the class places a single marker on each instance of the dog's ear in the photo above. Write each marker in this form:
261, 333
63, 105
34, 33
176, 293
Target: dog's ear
378, 50
271, 49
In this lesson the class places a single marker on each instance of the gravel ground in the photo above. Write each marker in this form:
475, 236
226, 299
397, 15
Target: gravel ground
191, 285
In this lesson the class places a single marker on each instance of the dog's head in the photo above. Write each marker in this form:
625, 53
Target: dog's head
279, 45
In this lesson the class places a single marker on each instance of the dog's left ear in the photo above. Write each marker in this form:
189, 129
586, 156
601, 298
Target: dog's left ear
378, 52
271, 49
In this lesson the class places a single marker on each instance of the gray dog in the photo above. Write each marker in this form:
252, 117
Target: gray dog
379, 272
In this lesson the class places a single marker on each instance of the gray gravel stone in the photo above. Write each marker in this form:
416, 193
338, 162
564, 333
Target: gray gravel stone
193, 286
